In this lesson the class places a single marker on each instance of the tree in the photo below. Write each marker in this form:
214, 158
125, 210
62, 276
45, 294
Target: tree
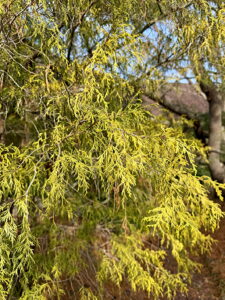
191, 43
86, 170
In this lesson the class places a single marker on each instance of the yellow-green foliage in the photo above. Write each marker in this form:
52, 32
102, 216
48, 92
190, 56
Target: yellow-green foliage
95, 173
143, 268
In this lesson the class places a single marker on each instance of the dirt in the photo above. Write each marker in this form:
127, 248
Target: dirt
207, 285
210, 283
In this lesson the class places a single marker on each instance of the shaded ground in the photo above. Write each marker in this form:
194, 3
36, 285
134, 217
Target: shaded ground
207, 285
210, 283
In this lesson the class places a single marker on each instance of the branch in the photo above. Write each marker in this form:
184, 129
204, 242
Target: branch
161, 17
163, 104
200, 132
75, 27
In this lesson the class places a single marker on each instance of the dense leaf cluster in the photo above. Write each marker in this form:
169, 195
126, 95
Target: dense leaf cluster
90, 180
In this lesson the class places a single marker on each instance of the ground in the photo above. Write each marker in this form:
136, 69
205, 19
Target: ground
210, 283
207, 285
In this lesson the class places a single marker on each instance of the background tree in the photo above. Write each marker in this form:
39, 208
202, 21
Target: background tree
91, 182
190, 45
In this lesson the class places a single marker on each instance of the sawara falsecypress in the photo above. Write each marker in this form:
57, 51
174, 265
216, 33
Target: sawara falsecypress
95, 190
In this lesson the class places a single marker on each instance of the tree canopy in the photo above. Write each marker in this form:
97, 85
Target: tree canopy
94, 188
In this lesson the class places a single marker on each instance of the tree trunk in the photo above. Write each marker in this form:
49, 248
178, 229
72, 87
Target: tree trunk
215, 131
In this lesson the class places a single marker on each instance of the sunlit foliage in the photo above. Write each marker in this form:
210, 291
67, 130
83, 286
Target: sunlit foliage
85, 170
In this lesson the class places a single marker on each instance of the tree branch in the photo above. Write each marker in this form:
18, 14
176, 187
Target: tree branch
70, 47
161, 17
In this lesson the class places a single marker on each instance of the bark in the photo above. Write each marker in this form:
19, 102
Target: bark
2, 128
215, 130
214, 108
215, 100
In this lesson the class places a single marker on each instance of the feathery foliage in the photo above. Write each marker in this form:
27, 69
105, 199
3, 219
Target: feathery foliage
85, 170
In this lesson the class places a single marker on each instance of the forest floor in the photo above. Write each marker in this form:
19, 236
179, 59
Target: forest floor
210, 283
